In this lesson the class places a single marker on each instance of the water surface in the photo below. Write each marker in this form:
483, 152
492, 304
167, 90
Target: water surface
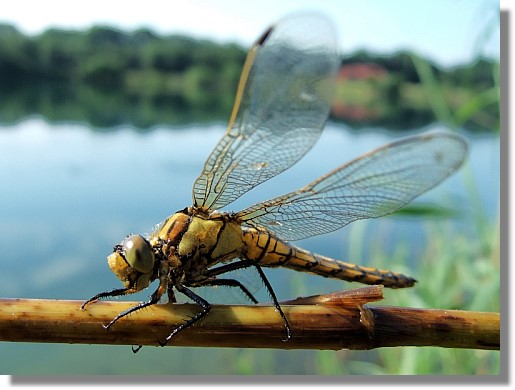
69, 194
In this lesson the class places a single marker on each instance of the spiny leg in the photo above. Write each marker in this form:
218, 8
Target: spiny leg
276, 302
229, 267
206, 307
113, 293
171, 299
124, 291
249, 263
171, 295
154, 298
230, 283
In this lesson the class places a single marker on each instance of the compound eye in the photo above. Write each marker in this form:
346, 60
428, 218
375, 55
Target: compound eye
138, 253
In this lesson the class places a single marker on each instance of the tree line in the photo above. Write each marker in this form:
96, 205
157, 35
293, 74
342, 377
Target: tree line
108, 77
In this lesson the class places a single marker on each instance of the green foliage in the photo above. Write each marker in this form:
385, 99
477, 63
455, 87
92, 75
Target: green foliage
457, 273
16, 56
151, 73
102, 72
454, 272
413, 92
141, 78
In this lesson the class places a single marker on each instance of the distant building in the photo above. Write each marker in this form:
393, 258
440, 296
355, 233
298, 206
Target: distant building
360, 111
361, 71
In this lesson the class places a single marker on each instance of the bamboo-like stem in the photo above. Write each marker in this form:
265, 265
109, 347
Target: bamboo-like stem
334, 321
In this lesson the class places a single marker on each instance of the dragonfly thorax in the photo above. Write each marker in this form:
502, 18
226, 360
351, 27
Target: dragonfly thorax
192, 241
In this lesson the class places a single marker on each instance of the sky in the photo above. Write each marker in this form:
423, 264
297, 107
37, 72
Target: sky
447, 31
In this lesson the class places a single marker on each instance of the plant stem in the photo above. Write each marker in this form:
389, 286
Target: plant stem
334, 321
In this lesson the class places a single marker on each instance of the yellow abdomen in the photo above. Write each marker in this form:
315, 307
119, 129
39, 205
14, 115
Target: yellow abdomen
270, 251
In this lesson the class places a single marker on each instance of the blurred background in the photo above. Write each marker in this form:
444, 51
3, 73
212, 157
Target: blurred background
107, 113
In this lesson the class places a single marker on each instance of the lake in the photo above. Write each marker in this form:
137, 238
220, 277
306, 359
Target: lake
70, 193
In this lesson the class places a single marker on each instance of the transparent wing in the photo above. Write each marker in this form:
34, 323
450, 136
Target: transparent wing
373, 185
283, 100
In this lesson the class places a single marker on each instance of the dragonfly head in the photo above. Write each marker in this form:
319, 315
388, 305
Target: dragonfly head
132, 261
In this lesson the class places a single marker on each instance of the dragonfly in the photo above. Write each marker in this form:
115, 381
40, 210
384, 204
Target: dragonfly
282, 103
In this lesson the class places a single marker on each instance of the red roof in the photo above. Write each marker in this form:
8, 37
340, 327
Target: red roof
361, 71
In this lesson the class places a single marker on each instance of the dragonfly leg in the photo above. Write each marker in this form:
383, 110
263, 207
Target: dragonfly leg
230, 267
276, 302
113, 293
154, 298
251, 263
230, 283
206, 307
171, 295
